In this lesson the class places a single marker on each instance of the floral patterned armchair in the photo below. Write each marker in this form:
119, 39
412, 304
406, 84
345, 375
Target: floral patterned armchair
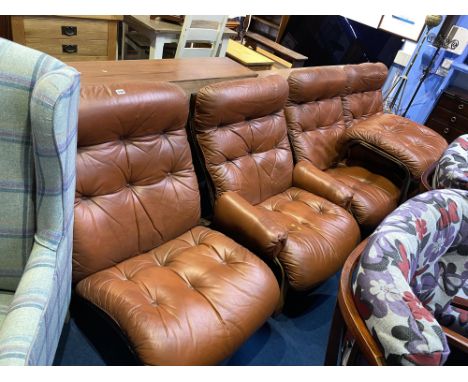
451, 170
410, 271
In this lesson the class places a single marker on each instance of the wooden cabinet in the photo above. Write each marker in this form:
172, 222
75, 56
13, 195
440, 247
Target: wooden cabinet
69, 38
450, 116
5, 27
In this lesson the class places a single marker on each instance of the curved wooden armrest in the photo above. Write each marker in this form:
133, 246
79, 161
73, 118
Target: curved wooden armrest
459, 302
356, 325
351, 316
426, 177
456, 339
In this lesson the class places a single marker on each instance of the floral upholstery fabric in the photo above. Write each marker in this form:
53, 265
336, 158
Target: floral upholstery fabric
452, 169
413, 265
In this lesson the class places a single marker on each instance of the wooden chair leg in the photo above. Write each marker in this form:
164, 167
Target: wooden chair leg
353, 357
335, 338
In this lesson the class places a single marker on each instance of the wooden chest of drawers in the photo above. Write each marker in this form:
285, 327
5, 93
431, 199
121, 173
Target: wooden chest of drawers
450, 116
69, 38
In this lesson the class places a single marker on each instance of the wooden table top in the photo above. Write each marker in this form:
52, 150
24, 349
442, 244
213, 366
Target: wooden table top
95, 17
159, 26
189, 73
283, 72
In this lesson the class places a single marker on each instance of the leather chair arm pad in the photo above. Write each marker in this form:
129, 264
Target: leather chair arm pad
413, 145
310, 178
249, 225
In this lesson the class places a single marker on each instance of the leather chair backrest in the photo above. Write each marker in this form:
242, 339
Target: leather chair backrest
136, 187
314, 113
241, 129
363, 91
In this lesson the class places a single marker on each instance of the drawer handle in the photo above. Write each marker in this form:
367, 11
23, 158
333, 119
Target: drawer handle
461, 106
68, 30
453, 119
447, 130
69, 48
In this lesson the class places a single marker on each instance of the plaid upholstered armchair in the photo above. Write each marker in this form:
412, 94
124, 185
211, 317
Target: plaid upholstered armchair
38, 121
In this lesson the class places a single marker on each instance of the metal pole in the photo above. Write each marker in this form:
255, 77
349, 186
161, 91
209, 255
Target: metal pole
421, 81
404, 77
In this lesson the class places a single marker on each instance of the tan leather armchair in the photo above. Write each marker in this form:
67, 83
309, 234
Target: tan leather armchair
316, 127
241, 130
332, 109
181, 293
414, 145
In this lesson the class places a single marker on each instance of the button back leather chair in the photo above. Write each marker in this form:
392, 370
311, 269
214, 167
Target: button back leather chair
413, 145
241, 130
181, 293
316, 125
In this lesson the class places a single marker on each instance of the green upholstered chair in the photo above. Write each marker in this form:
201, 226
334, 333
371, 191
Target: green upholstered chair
38, 129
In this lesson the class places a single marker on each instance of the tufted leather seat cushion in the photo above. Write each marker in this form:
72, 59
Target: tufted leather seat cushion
374, 195
191, 301
182, 294
415, 145
321, 235
241, 129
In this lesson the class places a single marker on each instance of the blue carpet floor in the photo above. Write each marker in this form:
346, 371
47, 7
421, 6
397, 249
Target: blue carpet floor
297, 336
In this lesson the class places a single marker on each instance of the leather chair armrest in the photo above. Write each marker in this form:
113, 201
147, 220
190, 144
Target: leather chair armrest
401, 140
249, 225
310, 178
